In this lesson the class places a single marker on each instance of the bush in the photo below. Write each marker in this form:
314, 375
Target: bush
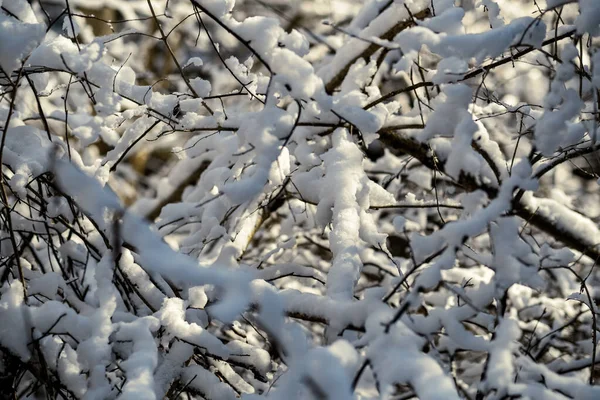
299, 199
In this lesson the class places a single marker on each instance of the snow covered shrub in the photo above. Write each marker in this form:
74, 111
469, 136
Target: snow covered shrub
214, 199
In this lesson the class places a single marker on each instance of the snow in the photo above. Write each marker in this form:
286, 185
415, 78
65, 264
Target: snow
195, 61
401, 343
361, 200
588, 20
70, 27
500, 366
378, 25
14, 317
172, 318
25, 37
201, 86
555, 128
206, 383
140, 365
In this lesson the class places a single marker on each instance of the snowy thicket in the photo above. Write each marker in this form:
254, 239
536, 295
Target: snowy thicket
328, 199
